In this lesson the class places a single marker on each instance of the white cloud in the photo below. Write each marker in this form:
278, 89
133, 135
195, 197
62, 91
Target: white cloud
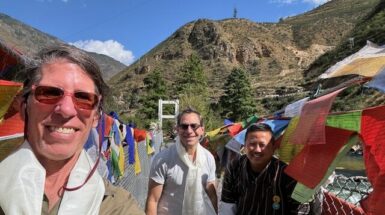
110, 48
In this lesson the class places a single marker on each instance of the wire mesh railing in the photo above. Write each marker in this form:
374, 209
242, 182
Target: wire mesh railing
137, 184
341, 196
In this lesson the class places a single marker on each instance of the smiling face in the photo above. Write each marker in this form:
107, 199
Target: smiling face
58, 131
190, 130
259, 149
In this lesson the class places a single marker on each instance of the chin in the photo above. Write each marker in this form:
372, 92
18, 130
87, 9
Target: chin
59, 153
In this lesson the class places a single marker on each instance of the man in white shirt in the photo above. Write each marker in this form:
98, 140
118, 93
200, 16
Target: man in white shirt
182, 177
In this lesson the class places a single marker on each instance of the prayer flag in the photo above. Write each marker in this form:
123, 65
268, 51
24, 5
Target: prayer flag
234, 129
294, 109
138, 168
287, 151
8, 91
378, 82
367, 62
311, 164
373, 135
349, 121
311, 125
303, 193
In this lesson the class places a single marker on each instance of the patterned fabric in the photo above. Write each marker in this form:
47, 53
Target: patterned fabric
253, 192
311, 126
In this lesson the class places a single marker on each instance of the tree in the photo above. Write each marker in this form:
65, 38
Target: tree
237, 102
156, 89
192, 90
192, 78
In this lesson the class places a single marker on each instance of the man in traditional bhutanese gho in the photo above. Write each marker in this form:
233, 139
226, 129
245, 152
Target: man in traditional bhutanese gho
182, 177
255, 183
50, 173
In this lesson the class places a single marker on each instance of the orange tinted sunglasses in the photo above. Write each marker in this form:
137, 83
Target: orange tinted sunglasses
51, 95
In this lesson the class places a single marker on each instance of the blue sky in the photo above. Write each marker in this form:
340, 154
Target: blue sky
127, 29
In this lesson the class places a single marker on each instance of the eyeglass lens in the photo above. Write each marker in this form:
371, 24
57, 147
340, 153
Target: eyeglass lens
193, 126
52, 95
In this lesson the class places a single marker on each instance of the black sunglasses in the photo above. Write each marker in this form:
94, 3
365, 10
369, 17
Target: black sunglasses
194, 126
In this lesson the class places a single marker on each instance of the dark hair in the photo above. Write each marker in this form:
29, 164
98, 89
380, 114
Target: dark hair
71, 54
260, 127
188, 111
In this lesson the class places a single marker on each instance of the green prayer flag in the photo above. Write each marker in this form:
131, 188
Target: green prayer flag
349, 121
250, 120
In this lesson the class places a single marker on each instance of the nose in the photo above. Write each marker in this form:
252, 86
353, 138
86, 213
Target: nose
66, 107
257, 149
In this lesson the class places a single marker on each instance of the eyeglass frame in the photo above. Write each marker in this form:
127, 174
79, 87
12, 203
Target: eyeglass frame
66, 93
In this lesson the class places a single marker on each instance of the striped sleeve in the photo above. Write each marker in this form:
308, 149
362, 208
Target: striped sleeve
229, 187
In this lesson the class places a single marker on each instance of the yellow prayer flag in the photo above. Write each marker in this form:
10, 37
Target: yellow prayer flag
138, 168
122, 159
287, 151
214, 132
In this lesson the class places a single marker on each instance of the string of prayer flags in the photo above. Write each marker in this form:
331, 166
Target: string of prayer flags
92, 148
311, 125
311, 164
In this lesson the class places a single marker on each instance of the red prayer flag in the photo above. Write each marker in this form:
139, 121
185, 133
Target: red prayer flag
108, 125
310, 165
234, 129
373, 135
12, 125
139, 135
311, 125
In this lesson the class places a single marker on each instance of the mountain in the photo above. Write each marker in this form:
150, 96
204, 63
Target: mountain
29, 41
275, 55
370, 28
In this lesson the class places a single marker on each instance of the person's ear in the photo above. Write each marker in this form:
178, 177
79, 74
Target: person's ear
96, 118
22, 109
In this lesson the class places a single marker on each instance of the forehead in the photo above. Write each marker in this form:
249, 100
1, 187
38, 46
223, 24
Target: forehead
64, 74
190, 118
264, 136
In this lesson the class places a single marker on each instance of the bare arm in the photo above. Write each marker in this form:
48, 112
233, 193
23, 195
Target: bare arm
154, 193
212, 193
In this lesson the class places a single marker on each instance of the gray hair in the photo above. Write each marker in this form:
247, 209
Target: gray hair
71, 54
189, 110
